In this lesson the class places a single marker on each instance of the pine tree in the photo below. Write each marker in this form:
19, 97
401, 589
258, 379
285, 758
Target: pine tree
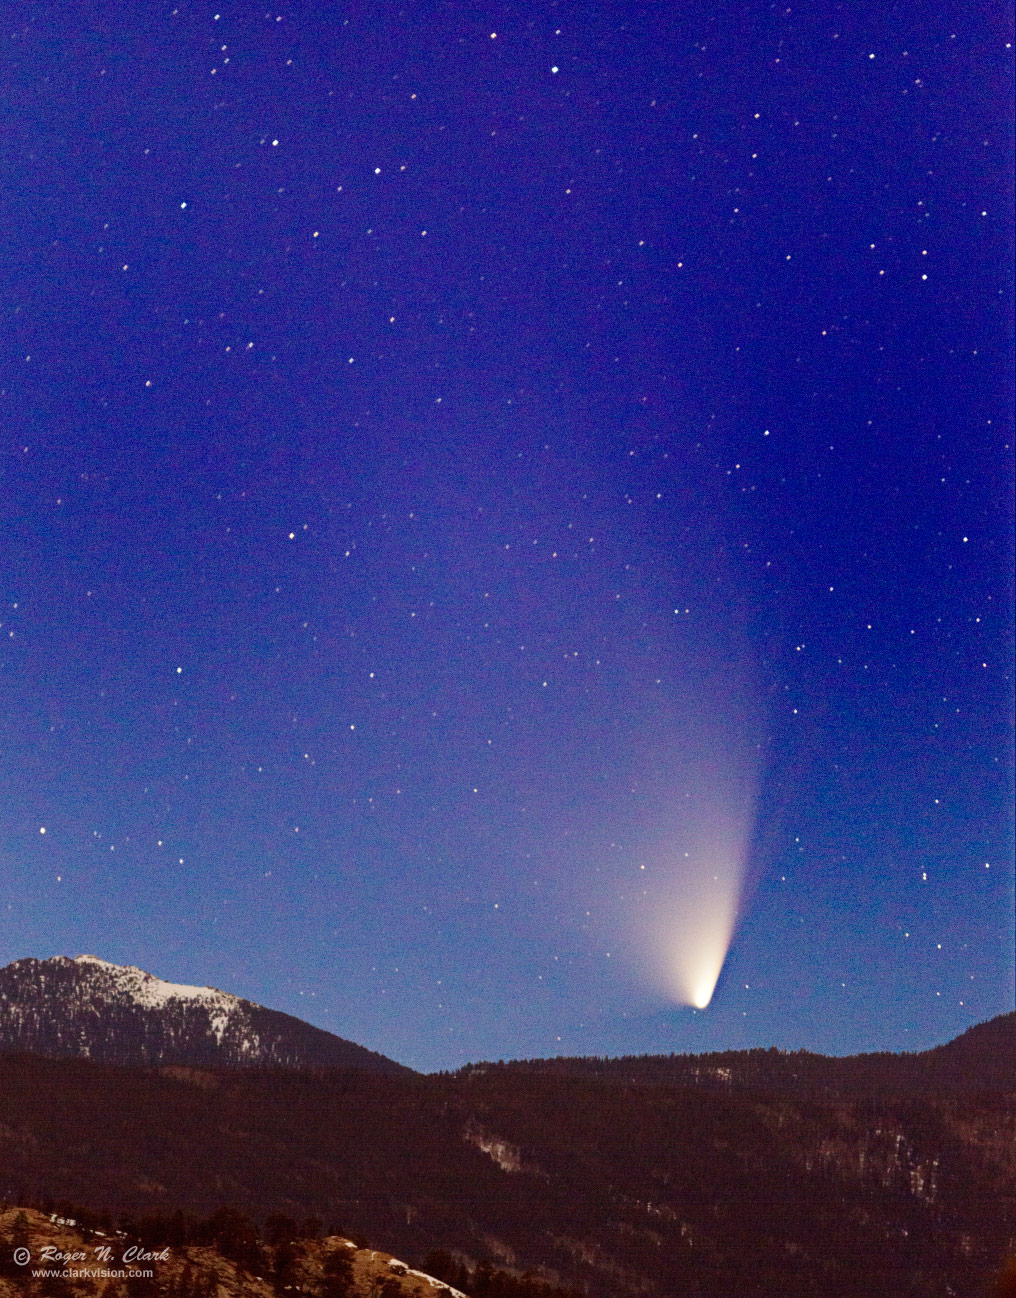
338, 1281
284, 1267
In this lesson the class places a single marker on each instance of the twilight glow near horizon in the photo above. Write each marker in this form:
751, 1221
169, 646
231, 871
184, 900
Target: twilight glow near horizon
507, 537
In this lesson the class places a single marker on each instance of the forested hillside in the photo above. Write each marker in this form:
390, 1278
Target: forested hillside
600, 1178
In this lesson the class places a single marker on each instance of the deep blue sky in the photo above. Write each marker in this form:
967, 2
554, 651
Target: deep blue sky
457, 458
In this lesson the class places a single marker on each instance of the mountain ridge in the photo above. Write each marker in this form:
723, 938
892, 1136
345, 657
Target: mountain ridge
88, 1007
624, 1191
149, 1020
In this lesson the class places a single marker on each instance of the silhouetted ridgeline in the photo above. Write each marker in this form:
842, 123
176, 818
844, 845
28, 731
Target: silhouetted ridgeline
982, 1059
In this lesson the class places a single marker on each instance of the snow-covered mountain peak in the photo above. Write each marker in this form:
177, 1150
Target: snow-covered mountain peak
87, 1006
152, 992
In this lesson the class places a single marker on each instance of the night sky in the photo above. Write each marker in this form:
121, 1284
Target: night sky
500, 502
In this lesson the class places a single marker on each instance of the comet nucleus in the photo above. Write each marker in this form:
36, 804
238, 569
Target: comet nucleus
694, 876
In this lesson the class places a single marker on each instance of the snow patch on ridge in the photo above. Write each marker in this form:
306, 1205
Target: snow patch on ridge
507, 1156
154, 993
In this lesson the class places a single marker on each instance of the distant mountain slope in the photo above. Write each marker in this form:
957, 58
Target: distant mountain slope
981, 1059
119, 1014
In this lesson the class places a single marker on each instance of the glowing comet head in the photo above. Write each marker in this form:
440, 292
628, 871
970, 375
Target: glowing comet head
699, 961
692, 908
698, 821
693, 932
702, 992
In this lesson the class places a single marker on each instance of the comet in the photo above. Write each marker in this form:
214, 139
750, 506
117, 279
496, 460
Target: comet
694, 884
698, 925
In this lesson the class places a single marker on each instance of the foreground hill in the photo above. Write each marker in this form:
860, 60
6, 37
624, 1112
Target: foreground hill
71, 1258
619, 1186
119, 1014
